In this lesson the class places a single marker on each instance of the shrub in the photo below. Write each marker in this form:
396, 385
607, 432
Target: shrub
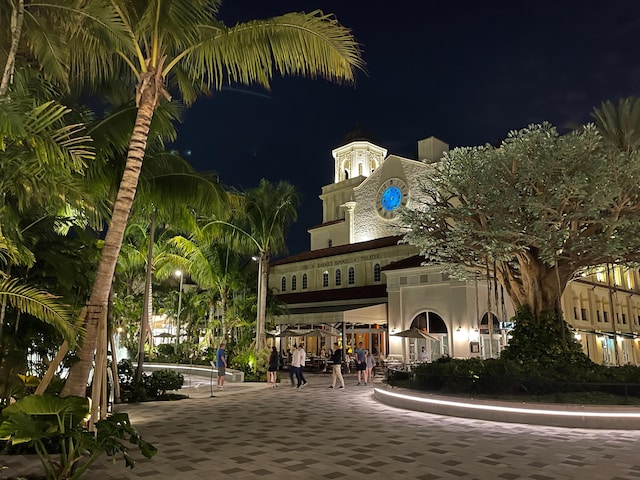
162, 381
152, 387
538, 361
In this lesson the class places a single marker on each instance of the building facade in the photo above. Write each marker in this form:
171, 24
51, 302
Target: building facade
359, 278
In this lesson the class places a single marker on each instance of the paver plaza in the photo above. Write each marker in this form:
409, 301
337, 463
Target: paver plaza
250, 431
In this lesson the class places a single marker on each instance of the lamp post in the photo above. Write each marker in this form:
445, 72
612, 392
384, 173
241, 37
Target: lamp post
179, 274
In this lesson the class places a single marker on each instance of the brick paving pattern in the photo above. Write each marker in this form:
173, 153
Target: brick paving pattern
251, 431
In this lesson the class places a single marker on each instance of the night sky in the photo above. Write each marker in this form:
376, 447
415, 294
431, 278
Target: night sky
465, 72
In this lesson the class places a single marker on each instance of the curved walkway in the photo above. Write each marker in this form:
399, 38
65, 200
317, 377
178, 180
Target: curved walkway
249, 431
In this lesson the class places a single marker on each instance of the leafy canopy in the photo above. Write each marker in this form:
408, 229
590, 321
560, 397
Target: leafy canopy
542, 206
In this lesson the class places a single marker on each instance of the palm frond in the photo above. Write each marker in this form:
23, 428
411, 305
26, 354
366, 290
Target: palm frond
309, 45
41, 305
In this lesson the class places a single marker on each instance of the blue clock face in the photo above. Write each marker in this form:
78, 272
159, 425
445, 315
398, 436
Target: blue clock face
391, 198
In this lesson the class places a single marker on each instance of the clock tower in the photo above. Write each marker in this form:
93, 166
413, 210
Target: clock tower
369, 190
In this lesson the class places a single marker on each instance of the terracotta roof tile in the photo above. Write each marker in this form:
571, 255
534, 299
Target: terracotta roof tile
326, 224
348, 293
339, 250
409, 262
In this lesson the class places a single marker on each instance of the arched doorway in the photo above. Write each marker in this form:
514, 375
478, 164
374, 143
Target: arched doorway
437, 343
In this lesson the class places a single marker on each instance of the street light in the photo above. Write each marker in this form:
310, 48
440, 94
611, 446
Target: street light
178, 273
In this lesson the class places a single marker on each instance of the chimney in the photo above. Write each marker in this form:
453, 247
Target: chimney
431, 149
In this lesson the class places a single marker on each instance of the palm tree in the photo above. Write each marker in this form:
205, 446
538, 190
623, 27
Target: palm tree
261, 228
183, 43
620, 125
46, 33
213, 265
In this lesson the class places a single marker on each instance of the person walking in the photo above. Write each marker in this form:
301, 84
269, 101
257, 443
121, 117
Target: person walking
294, 365
361, 366
336, 374
221, 363
272, 372
302, 357
370, 363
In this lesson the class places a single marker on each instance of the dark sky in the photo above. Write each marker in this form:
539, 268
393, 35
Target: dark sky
466, 72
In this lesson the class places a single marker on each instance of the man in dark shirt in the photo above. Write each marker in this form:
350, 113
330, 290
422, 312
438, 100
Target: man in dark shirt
336, 358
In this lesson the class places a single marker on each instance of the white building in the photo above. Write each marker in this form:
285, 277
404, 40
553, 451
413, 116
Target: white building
358, 278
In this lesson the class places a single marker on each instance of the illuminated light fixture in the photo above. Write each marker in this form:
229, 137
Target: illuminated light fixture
474, 335
619, 338
496, 408
577, 336
600, 338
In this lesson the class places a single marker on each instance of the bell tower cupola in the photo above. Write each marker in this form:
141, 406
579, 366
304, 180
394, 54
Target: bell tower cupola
357, 156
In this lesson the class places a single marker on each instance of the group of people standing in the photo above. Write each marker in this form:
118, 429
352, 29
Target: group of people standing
365, 363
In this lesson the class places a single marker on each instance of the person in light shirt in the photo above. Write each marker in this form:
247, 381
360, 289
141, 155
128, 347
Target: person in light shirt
302, 357
424, 356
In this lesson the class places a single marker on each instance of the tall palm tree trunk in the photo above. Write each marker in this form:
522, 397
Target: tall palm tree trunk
146, 308
263, 274
17, 17
148, 99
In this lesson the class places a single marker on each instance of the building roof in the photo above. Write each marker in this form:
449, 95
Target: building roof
335, 294
357, 134
326, 224
339, 250
410, 262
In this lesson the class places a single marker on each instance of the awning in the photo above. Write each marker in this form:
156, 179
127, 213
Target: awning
413, 333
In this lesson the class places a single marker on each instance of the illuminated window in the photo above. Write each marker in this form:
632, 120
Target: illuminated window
376, 272
338, 277
325, 279
283, 286
304, 281
617, 275
352, 276
294, 283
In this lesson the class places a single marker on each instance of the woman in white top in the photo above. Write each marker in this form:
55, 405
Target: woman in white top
370, 362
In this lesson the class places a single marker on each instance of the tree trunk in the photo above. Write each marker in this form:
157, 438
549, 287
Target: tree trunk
146, 302
17, 17
79, 373
536, 285
263, 274
223, 315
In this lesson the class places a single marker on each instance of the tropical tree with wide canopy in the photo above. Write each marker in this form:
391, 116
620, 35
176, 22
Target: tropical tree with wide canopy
534, 211
181, 45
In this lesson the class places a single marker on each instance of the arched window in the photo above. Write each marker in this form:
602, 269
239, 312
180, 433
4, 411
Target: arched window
338, 277
484, 324
325, 279
304, 281
294, 283
429, 321
352, 276
283, 286
376, 272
